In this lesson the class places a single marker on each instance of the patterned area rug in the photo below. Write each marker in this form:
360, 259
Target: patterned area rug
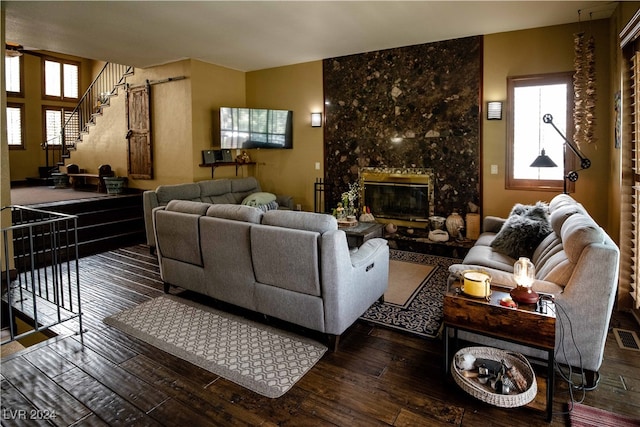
422, 314
255, 356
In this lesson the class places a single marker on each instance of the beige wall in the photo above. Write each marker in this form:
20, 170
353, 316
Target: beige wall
106, 143
298, 88
184, 121
546, 50
182, 113
213, 87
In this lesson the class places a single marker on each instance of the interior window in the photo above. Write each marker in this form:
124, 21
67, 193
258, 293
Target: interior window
61, 79
54, 119
15, 125
13, 75
529, 99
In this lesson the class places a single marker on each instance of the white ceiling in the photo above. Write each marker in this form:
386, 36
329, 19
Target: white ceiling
253, 35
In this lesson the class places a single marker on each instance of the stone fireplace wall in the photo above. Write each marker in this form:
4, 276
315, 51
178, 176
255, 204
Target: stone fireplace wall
408, 107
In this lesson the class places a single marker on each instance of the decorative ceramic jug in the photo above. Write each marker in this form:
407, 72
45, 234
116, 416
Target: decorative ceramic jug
454, 224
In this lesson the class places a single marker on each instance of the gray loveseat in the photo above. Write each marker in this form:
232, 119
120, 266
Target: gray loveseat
578, 263
209, 191
294, 266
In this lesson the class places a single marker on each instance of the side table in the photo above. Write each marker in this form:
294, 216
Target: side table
526, 325
358, 234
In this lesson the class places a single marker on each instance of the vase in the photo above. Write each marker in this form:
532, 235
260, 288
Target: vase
454, 224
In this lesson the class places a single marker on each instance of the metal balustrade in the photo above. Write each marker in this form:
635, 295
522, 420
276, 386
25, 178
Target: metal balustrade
41, 280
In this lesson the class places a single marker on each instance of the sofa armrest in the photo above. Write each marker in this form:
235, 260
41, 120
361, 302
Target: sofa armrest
367, 252
149, 203
492, 224
351, 283
284, 201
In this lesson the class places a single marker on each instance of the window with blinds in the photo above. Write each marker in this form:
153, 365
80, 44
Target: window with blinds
54, 119
628, 128
61, 79
13, 75
15, 125
635, 167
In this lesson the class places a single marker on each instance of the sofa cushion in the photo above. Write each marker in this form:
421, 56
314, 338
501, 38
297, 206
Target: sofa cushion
235, 212
561, 200
484, 255
187, 206
286, 258
522, 232
560, 214
178, 235
259, 198
301, 220
242, 187
578, 232
166, 193
216, 191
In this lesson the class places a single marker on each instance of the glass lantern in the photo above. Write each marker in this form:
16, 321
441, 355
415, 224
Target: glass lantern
524, 273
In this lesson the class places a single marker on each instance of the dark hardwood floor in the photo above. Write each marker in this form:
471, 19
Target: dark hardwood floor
378, 376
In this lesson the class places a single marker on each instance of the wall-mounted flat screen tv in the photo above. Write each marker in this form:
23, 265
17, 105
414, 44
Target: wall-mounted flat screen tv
255, 128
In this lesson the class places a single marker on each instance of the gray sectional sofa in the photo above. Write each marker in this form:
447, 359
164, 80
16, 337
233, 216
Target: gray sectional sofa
208, 191
294, 266
577, 262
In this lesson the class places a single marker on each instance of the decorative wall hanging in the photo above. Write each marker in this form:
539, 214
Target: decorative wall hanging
584, 87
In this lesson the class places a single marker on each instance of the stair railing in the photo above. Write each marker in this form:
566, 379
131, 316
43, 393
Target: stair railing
44, 289
103, 87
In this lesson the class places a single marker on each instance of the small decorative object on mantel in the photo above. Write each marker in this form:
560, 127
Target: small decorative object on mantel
243, 158
473, 226
437, 223
438, 236
367, 216
455, 224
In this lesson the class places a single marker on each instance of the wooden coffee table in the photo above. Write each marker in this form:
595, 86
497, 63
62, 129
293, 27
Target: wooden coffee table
527, 325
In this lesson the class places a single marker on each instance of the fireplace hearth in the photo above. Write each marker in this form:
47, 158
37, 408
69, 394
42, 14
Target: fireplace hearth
403, 196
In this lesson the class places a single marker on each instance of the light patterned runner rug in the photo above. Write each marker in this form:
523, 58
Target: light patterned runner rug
421, 313
258, 357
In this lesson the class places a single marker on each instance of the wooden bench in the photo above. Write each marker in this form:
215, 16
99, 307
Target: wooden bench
80, 178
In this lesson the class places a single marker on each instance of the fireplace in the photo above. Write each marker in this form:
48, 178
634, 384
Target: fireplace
400, 195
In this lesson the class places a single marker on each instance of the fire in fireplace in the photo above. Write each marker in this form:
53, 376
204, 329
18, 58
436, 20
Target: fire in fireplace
405, 195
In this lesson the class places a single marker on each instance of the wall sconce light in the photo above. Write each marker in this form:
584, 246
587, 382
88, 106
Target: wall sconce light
494, 110
316, 120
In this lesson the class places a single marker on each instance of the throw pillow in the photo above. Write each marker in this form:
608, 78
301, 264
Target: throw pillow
259, 198
268, 206
523, 231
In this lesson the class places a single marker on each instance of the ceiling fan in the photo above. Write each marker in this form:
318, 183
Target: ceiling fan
14, 49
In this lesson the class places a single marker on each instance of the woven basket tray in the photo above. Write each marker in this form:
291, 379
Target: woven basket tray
484, 392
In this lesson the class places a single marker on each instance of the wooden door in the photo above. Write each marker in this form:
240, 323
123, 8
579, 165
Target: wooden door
140, 149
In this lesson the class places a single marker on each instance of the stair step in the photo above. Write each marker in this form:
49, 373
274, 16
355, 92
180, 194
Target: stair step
103, 223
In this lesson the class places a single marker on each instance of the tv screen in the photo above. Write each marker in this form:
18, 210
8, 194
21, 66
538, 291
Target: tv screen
255, 128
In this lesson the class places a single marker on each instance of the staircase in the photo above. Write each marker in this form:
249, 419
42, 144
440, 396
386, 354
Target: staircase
104, 222
83, 117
